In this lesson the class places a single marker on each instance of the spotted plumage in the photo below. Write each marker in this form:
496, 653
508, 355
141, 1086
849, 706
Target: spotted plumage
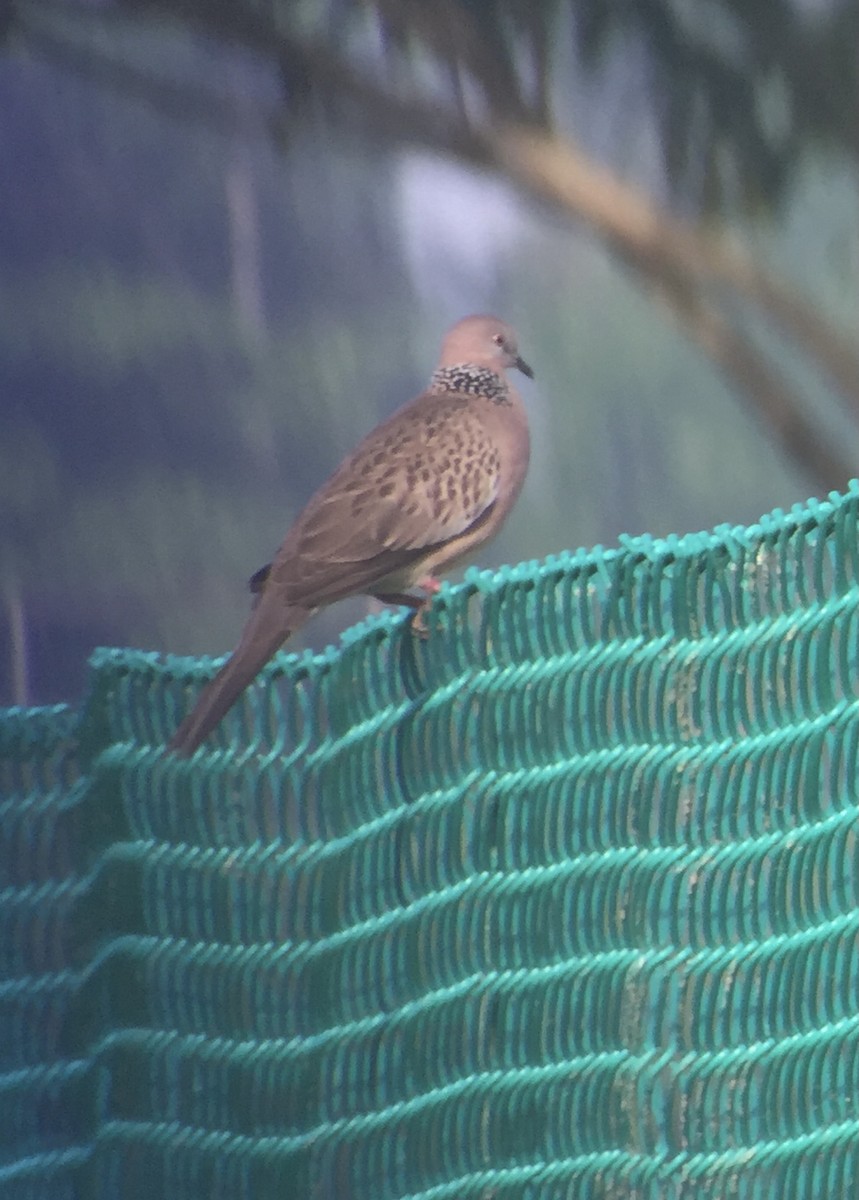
468, 380
417, 496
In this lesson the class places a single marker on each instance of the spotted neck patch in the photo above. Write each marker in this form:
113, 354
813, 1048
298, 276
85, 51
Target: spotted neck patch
470, 380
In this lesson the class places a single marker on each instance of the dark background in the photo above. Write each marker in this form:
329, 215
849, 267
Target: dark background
231, 236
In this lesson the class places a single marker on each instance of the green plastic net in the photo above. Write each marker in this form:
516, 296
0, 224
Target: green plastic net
558, 903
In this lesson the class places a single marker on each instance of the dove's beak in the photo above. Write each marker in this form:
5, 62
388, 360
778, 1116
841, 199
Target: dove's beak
522, 366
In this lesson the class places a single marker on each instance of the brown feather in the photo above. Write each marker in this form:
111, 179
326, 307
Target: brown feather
420, 493
269, 626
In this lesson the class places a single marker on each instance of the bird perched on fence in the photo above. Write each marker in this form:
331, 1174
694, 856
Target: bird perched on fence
418, 495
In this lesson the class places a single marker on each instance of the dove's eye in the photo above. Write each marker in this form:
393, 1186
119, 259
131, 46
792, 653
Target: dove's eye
498, 339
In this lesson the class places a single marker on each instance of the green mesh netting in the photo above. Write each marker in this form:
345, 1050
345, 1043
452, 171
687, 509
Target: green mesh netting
561, 902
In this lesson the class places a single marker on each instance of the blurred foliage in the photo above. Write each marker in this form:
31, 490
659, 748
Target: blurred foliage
738, 88
157, 442
741, 86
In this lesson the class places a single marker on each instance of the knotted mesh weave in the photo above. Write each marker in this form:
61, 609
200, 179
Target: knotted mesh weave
558, 903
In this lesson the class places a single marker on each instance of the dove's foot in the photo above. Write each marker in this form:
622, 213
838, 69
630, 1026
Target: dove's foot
430, 586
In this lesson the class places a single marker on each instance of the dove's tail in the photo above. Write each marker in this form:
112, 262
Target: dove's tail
268, 628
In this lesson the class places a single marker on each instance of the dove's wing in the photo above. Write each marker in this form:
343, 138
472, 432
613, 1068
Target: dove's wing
428, 476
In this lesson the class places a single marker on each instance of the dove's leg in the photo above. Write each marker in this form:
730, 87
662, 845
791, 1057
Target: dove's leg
430, 585
400, 599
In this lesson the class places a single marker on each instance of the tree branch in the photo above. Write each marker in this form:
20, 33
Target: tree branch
556, 171
764, 387
685, 260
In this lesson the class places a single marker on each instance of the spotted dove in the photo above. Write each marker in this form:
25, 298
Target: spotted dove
417, 496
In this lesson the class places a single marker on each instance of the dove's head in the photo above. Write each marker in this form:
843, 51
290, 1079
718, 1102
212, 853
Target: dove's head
482, 341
